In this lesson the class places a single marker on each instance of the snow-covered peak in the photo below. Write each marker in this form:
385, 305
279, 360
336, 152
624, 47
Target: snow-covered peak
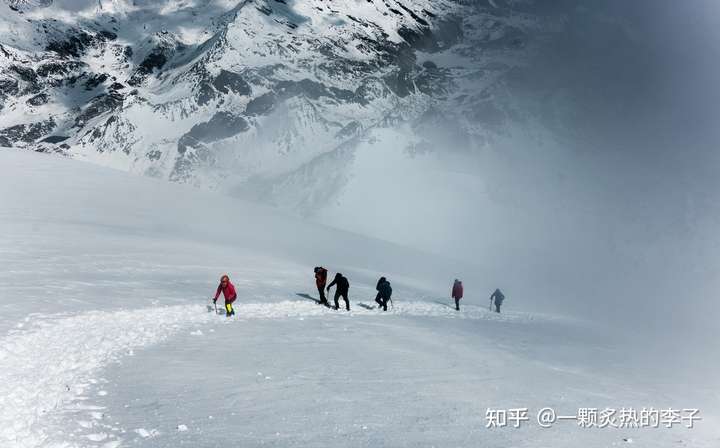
253, 96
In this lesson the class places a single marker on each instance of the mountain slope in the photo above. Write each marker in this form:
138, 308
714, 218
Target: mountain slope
106, 340
207, 91
447, 126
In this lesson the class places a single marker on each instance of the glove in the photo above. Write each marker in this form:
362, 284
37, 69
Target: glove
214, 301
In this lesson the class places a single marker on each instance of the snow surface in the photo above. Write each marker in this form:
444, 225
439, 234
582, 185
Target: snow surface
107, 341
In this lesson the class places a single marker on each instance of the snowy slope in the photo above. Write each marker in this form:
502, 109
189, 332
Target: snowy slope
244, 95
183, 91
362, 115
106, 340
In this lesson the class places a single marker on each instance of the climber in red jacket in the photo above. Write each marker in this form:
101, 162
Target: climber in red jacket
229, 294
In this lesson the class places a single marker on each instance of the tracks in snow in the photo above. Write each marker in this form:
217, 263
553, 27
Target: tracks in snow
54, 361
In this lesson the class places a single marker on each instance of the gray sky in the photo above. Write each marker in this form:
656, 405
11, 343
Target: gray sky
622, 222
648, 111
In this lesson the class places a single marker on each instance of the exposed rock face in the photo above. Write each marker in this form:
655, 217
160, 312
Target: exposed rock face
227, 82
24, 134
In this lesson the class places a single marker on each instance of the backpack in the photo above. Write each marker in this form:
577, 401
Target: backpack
457, 290
386, 289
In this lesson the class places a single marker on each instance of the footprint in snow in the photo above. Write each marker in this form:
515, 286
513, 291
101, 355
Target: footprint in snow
145, 434
97, 437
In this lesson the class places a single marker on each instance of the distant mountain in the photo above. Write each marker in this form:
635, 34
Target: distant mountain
199, 91
273, 99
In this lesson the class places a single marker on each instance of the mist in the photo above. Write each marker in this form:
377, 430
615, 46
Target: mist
588, 188
614, 215
565, 152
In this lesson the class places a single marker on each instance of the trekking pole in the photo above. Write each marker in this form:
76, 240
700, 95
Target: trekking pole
215, 303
